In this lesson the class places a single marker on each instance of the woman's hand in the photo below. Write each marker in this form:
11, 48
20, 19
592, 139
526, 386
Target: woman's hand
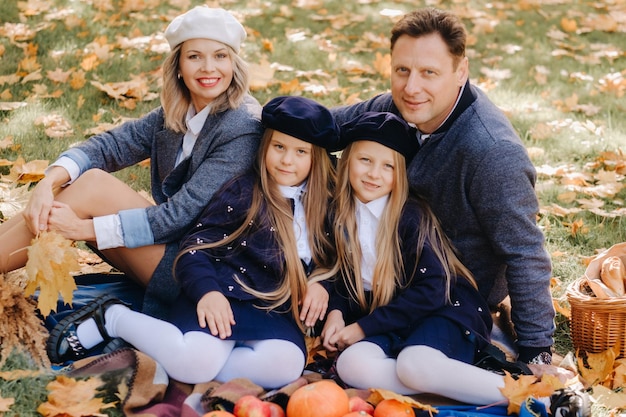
38, 208
314, 305
40, 202
214, 311
64, 220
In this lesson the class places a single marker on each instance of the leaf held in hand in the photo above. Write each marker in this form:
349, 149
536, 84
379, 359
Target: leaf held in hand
51, 260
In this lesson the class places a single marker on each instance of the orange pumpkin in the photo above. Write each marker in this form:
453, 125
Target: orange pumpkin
319, 399
218, 413
393, 408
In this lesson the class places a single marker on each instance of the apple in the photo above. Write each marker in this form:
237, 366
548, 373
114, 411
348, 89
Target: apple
359, 404
276, 410
251, 406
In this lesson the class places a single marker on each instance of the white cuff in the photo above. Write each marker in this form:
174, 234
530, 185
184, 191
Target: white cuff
70, 166
108, 231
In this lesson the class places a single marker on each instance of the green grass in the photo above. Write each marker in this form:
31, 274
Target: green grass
549, 81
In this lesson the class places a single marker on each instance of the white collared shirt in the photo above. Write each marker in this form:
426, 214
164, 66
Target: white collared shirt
422, 137
195, 123
299, 219
367, 221
109, 233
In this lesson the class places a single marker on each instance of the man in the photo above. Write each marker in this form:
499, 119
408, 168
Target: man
473, 169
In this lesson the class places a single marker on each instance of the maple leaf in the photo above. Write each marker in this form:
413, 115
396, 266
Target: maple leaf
517, 391
69, 397
58, 75
379, 394
598, 368
13, 199
51, 260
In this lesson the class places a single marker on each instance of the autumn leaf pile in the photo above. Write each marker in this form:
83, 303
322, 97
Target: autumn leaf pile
20, 328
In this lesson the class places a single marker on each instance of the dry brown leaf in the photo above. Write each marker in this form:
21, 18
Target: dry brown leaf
21, 328
609, 399
379, 394
69, 397
6, 403
517, 391
598, 367
619, 374
16, 374
27, 172
51, 261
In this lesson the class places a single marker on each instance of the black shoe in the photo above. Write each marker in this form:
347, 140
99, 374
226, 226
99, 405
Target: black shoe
63, 344
569, 403
116, 344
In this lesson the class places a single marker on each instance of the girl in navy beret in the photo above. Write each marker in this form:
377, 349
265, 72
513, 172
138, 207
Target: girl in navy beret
405, 314
248, 269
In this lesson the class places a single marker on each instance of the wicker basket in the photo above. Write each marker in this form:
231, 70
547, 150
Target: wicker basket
596, 324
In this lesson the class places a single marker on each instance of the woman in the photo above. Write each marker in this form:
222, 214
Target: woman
206, 131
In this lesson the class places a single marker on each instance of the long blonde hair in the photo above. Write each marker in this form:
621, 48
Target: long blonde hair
269, 208
175, 96
389, 273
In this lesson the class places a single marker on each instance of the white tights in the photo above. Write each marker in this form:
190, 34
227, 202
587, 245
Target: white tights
196, 356
419, 369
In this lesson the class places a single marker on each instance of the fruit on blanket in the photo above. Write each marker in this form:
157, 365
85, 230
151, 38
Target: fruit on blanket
218, 413
319, 399
276, 410
251, 406
359, 404
393, 408
357, 414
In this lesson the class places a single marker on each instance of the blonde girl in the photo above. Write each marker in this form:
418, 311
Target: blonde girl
405, 313
245, 268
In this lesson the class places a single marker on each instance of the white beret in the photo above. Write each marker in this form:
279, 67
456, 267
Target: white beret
203, 22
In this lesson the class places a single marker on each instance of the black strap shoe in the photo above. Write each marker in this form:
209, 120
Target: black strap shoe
569, 403
63, 345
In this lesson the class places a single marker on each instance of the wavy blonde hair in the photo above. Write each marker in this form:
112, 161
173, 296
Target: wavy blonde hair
270, 209
389, 273
175, 96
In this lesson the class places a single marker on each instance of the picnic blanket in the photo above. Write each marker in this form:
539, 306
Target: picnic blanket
150, 393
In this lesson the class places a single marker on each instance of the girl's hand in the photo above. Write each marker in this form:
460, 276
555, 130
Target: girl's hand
65, 221
347, 336
214, 311
314, 305
334, 323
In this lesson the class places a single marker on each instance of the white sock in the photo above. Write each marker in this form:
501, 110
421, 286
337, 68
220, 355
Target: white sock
88, 334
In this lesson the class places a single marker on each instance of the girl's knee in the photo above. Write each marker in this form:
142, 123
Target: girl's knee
417, 365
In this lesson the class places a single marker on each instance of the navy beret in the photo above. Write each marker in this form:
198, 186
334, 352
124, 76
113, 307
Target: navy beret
302, 118
382, 127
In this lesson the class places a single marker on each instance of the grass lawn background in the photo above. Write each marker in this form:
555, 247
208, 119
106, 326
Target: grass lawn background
69, 69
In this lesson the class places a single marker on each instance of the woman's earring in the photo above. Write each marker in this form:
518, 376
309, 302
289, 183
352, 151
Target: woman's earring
179, 76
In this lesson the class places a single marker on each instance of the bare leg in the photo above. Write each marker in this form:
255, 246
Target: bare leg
95, 193
14, 241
